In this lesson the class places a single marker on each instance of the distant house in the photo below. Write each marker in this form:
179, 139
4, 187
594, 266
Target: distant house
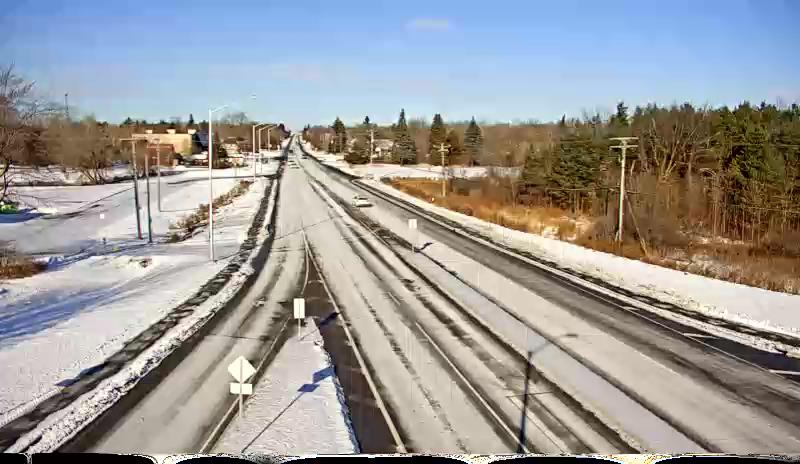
382, 147
200, 141
181, 143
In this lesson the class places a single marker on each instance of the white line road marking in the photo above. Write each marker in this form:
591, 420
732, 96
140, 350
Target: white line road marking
697, 335
776, 371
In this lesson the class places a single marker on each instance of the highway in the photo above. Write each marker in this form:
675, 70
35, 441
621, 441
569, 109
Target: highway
444, 333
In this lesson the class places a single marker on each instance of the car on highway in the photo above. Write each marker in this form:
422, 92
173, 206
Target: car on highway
360, 201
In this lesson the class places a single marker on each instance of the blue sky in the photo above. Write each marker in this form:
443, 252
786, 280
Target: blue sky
309, 61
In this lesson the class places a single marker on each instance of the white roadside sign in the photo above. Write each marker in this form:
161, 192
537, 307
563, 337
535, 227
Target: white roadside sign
412, 224
241, 388
299, 308
299, 312
241, 370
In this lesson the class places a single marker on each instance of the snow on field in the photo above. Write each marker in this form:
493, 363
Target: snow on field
750, 306
297, 407
53, 431
88, 304
57, 175
93, 213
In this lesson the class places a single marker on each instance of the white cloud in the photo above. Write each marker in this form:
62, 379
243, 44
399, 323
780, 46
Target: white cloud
429, 24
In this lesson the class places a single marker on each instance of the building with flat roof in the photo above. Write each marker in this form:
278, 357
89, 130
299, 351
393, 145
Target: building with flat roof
182, 143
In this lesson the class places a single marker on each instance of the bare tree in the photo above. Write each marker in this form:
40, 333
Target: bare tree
19, 114
236, 118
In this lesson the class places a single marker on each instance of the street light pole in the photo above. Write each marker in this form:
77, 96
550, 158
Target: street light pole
158, 166
267, 127
211, 183
135, 186
255, 126
147, 189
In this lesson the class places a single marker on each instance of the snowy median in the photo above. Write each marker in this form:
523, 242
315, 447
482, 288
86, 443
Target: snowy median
297, 407
116, 297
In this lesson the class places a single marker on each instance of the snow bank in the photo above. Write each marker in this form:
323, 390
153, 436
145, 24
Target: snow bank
297, 407
748, 306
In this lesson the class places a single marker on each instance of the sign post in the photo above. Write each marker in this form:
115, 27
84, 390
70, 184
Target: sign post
412, 224
299, 312
241, 370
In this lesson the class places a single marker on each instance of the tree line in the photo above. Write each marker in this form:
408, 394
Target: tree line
36, 134
723, 171
442, 145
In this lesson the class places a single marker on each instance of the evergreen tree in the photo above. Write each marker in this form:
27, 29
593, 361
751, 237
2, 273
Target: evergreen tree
563, 122
404, 150
128, 121
339, 136
621, 116
359, 153
473, 142
436, 137
191, 120
535, 174
456, 150
575, 169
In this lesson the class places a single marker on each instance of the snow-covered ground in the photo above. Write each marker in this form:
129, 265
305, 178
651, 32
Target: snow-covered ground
95, 297
750, 306
297, 407
71, 219
57, 175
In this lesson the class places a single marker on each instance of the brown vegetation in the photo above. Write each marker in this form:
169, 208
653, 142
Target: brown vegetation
774, 264
186, 226
15, 266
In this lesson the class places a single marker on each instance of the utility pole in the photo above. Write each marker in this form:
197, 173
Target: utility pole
371, 144
442, 150
623, 146
66, 105
211, 182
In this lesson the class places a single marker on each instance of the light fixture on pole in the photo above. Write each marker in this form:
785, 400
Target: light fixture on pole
267, 127
211, 183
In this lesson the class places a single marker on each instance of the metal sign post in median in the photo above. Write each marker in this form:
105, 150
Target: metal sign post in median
241, 370
299, 312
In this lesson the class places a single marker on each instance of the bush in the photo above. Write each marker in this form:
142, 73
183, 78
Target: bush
15, 266
186, 226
